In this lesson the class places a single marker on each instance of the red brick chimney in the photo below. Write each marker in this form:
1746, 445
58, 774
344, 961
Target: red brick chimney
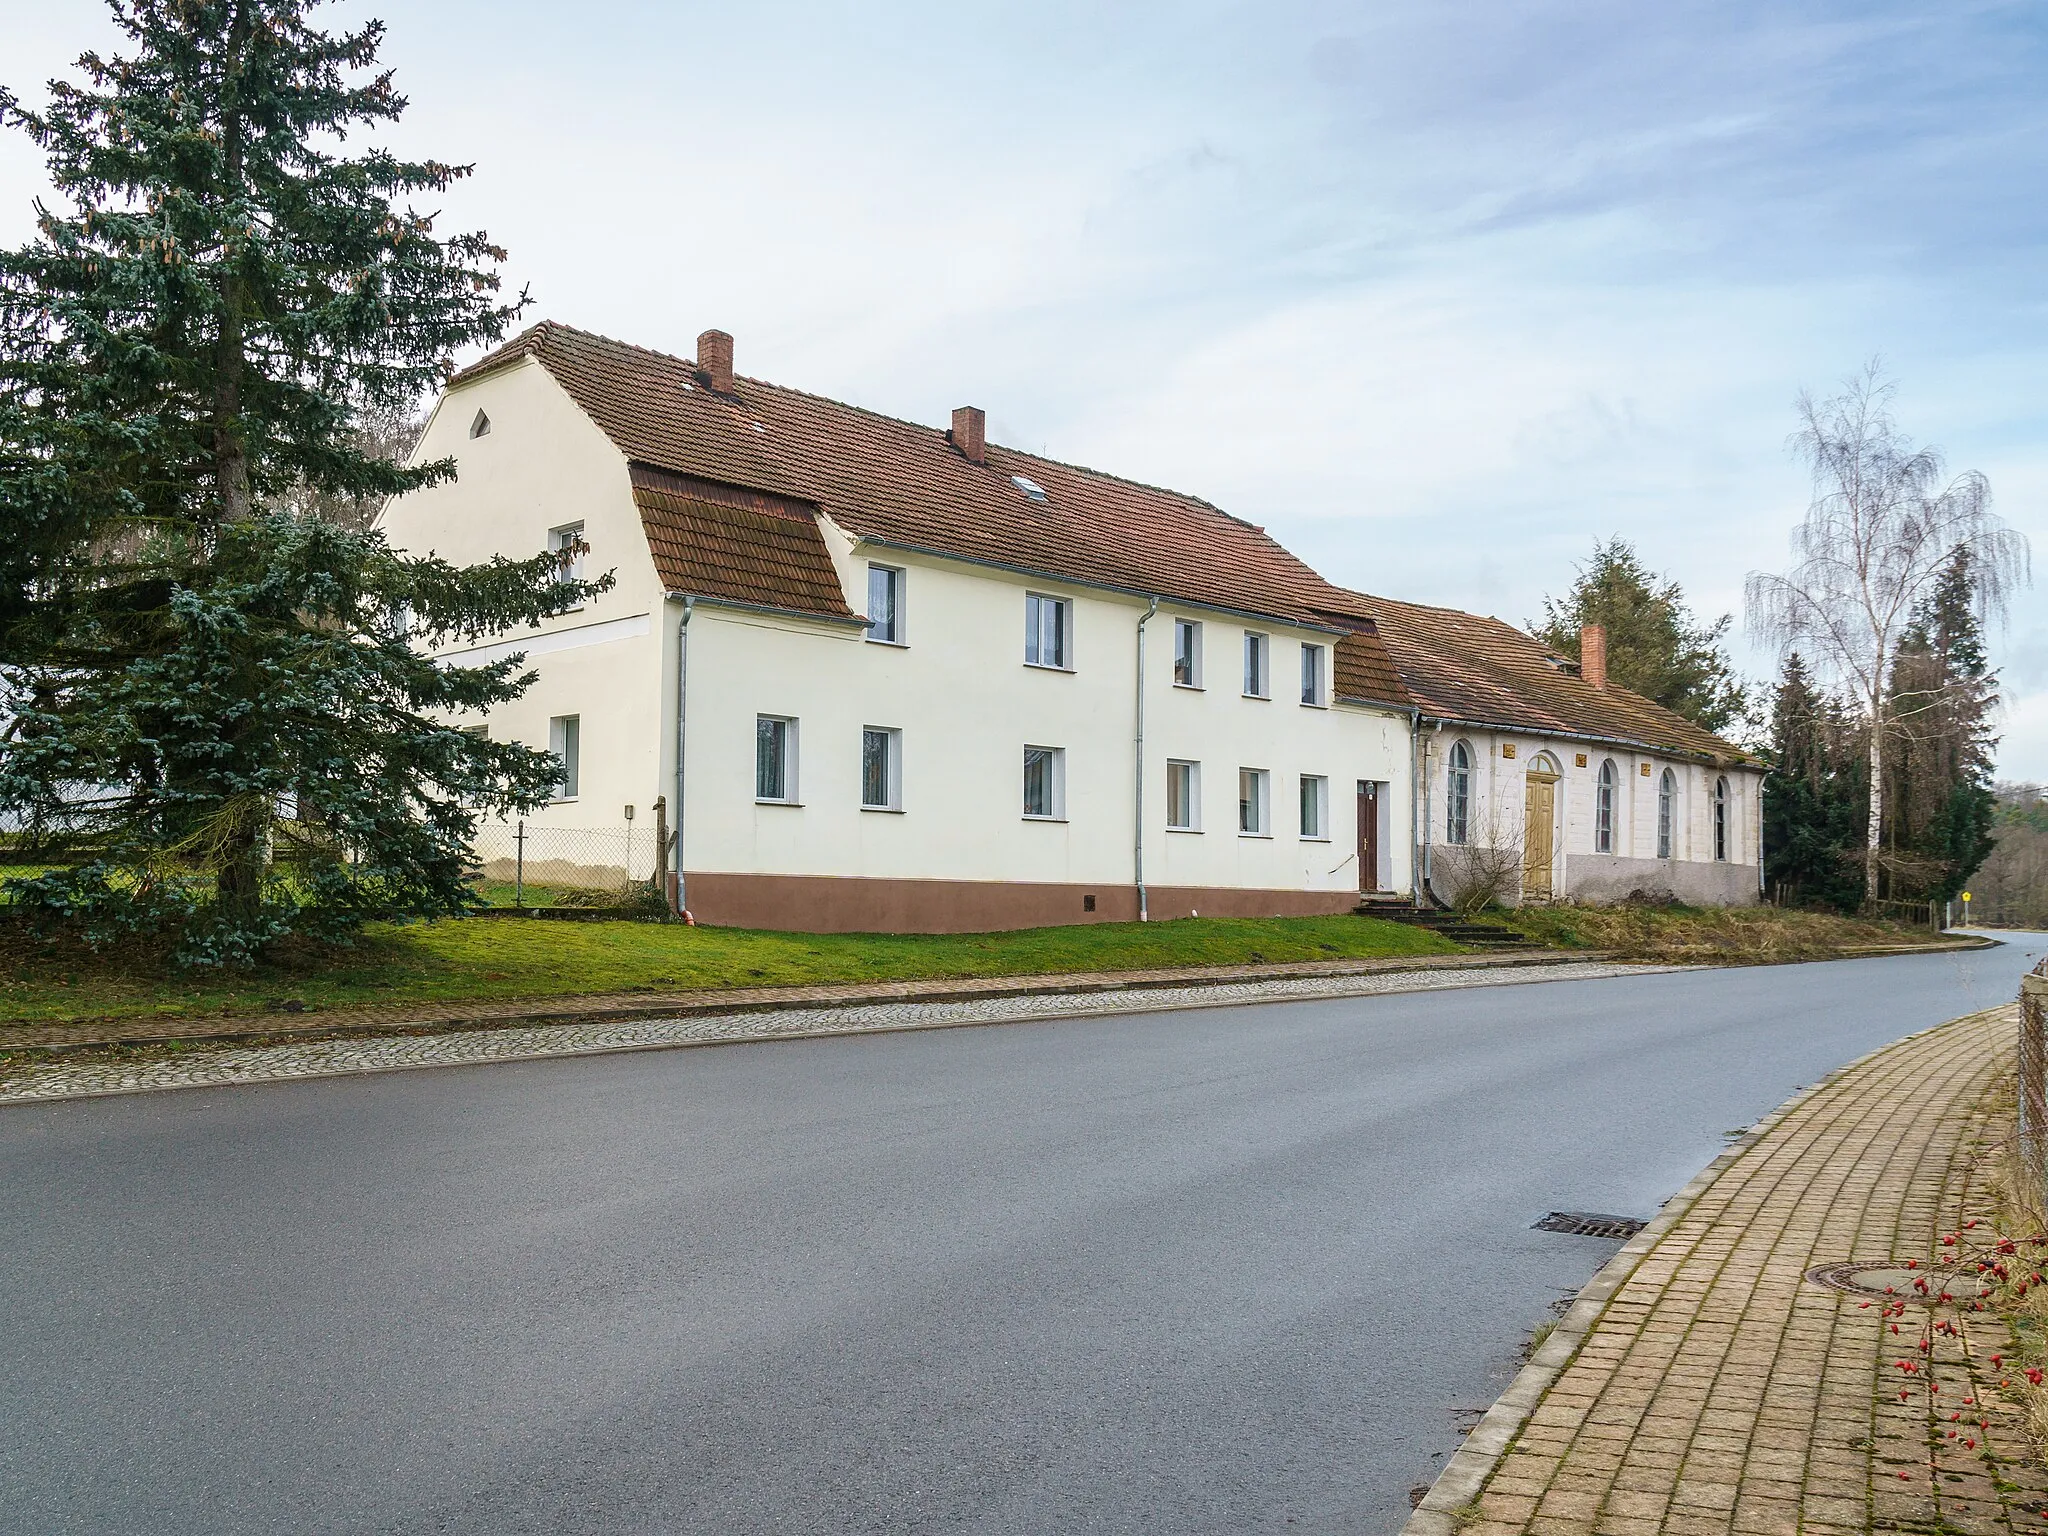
970, 432
1593, 654
714, 360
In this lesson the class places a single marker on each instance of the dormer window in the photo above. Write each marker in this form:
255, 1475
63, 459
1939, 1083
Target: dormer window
480, 426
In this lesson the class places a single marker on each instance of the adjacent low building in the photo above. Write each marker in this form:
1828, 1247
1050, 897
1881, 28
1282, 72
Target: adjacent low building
878, 675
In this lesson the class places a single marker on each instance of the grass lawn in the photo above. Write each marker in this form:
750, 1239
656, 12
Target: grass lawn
514, 958
1717, 935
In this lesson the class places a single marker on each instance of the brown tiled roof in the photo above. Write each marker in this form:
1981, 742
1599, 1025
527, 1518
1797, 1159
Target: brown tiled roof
1458, 666
715, 541
1365, 673
904, 483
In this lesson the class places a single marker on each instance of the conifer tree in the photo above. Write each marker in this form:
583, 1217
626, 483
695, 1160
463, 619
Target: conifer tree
1654, 645
225, 699
1814, 795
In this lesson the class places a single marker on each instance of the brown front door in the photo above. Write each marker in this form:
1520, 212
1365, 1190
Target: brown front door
1368, 835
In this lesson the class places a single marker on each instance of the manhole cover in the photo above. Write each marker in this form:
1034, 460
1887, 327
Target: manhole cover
1585, 1224
1890, 1278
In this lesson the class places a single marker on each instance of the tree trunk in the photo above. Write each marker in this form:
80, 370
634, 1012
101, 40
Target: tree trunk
1876, 829
230, 453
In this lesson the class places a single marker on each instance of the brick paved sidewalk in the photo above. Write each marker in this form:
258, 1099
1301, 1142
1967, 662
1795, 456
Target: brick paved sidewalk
649, 1003
1718, 1391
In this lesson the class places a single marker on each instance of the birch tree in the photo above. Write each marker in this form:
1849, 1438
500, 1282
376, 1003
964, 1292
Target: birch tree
1885, 522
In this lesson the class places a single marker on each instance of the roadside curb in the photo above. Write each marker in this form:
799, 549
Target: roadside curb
1465, 1475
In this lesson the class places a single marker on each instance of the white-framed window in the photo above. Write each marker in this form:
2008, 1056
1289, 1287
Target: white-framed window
885, 604
565, 740
1667, 813
881, 768
1183, 797
775, 759
566, 545
1254, 802
1045, 783
1048, 627
1723, 820
1458, 795
480, 425
1603, 808
1315, 808
1187, 653
1258, 683
1315, 675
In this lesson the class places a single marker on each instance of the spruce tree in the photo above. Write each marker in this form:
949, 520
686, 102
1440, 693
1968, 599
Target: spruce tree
224, 699
1814, 795
1654, 645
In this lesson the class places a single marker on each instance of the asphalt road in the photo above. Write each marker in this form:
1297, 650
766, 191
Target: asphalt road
1228, 1270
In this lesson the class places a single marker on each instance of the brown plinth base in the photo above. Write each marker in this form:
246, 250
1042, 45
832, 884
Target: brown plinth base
847, 904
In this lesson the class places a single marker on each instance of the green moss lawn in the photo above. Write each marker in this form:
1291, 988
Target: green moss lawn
526, 958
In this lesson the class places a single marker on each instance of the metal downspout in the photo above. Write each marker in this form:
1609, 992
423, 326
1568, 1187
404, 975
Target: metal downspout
1138, 837
1428, 814
682, 718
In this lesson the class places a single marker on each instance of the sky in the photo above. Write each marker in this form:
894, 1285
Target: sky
1437, 294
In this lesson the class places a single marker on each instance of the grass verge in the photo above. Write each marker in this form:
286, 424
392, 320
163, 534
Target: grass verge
1716, 935
485, 959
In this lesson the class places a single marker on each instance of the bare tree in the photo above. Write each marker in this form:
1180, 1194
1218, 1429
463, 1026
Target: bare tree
1883, 525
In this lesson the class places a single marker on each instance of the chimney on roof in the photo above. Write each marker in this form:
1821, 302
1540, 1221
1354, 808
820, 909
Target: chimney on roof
714, 360
1593, 654
970, 433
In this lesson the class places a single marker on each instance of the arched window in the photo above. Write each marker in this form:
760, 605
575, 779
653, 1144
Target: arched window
480, 426
1603, 809
1720, 818
1667, 813
1458, 795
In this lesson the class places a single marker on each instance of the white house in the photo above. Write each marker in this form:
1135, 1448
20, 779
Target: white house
1541, 770
885, 676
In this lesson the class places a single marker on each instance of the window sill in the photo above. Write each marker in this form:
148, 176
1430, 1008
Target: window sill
1263, 837
1029, 817
1044, 666
1186, 831
1308, 839
895, 645
792, 804
1191, 687
1313, 704
884, 810
564, 800
1263, 698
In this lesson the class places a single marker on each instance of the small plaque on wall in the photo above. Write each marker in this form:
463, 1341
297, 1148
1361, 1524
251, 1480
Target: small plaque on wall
1580, 759
1646, 770
1507, 749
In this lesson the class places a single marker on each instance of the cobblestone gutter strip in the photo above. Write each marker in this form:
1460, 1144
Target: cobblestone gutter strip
1441, 1512
613, 1007
129, 1070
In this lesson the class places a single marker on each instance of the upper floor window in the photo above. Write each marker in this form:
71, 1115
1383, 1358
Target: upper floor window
480, 425
565, 741
1048, 622
885, 604
1187, 653
1603, 808
1045, 783
1667, 813
1312, 674
1183, 797
1458, 795
1257, 684
775, 759
566, 545
1721, 814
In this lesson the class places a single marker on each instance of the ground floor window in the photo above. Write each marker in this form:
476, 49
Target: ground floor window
565, 740
774, 759
1315, 807
881, 776
1253, 800
1045, 782
1183, 797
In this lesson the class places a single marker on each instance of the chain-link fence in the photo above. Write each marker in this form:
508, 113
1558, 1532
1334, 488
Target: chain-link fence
2033, 1080
522, 865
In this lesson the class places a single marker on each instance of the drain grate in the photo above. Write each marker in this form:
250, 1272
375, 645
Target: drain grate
1586, 1224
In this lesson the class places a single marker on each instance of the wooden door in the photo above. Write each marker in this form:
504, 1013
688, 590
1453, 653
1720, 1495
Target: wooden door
1538, 830
1368, 835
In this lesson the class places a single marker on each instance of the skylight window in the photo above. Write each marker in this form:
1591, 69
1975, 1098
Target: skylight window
1030, 488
